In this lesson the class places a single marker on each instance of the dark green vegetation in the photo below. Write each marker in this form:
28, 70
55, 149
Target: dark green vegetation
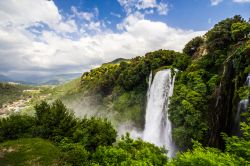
117, 90
208, 87
72, 141
120, 89
12, 92
206, 94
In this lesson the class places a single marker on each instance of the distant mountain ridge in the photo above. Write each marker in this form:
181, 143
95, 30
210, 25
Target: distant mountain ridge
53, 79
43, 80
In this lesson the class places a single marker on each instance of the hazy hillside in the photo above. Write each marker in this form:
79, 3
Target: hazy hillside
51, 79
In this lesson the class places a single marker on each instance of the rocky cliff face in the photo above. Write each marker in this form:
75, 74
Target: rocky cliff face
224, 101
221, 107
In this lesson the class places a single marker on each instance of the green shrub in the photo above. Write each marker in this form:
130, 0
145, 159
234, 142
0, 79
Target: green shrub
201, 156
130, 152
16, 126
74, 154
94, 132
54, 121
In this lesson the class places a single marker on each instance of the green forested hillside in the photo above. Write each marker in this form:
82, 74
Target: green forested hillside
212, 68
206, 94
210, 82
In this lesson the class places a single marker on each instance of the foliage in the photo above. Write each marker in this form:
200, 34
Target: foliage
217, 73
131, 106
187, 108
240, 30
205, 156
192, 46
94, 132
16, 126
130, 152
66, 89
205, 80
101, 79
240, 146
130, 74
74, 154
54, 121
121, 87
219, 38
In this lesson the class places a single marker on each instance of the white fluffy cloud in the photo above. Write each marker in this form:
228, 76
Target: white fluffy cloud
26, 13
22, 51
215, 2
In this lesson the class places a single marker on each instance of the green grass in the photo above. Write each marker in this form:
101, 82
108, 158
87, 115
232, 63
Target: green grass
67, 89
28, 151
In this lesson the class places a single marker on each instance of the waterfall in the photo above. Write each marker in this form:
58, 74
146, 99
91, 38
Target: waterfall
158, 129
242, 107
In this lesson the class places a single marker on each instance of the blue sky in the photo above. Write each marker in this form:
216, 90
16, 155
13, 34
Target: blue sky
184, 14
70, 36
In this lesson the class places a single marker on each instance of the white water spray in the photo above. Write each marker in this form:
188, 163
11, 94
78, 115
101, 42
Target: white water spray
158, 129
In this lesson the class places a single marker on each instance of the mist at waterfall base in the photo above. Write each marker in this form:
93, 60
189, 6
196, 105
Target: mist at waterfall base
242, 108
158, 129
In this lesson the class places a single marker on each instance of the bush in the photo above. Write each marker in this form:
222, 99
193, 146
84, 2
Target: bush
54, 121
74, 154
94, 132
205, 156
130, 152
16, 126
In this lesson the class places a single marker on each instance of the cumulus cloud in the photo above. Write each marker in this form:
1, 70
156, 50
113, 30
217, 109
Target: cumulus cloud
46, 52
215, 2
27, 13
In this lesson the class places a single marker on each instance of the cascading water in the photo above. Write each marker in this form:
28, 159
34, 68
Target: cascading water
158, 129
242, 107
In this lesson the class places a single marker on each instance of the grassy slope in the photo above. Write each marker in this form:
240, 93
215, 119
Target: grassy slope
28, 151
66, 89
